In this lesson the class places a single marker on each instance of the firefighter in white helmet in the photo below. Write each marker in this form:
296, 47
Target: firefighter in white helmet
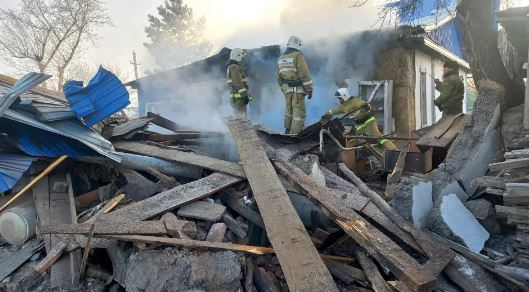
293, 77
364, 120
239, 94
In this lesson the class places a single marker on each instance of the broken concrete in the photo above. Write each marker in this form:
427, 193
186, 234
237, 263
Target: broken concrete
452, 220
202, 210
513, 132
174, 270
404, 201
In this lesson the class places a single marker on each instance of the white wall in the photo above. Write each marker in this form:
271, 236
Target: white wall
433, 66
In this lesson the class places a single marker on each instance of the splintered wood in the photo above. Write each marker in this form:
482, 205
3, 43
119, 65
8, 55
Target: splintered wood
172, 198
379, 245
304, 270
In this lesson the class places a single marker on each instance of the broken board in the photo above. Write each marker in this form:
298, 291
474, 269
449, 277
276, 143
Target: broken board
118, 228
182, 157
172, 198
416, 276
443, 133
304, 270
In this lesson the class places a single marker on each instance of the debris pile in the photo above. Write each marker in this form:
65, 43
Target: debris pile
143, 205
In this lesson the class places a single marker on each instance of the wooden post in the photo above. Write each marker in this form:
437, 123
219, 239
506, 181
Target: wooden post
526, 105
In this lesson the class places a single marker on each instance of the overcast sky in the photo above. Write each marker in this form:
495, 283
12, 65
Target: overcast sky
232, 23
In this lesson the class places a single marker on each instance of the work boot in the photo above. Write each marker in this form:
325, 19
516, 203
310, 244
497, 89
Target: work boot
287, 131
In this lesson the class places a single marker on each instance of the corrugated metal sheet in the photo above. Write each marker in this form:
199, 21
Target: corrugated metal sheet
103, 96
25, 83
71, 128
12, 167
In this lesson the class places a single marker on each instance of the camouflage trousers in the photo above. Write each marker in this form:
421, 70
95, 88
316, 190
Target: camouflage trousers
295, 112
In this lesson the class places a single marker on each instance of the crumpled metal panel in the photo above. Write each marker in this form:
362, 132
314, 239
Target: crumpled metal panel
25, 83
12, 167
102, 97
71, 128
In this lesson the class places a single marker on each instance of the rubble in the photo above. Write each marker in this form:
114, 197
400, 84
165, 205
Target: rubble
166, 213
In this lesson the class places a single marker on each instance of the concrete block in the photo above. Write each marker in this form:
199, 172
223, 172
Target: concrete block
202, 210
174, 270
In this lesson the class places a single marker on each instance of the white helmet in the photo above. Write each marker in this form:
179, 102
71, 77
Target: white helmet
237, 54
295, 42
343, 93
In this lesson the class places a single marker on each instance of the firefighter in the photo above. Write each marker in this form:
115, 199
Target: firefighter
361, 114
293, 77
239, 94
452, 90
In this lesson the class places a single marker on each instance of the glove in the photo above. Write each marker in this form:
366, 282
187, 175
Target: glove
245, 98
325, 116
437, 82
309, 94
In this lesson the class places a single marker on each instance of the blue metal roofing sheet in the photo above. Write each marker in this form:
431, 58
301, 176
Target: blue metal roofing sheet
103, 96
12, 167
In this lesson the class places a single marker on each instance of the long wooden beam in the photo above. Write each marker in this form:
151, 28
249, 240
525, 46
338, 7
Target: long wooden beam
304, 270
114, 228
381, 247
172, 198
182, 157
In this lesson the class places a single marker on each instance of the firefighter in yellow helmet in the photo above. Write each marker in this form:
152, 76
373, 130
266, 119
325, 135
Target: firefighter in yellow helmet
239, 94
293, 77
365, 121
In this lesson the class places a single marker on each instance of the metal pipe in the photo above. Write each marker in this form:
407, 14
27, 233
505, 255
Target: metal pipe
140, 162
324, 131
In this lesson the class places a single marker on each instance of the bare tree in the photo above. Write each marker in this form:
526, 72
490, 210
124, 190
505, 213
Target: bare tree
47, 35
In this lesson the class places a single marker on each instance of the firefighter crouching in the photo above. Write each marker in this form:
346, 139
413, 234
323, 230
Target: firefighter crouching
239, 94
293, 77
365, 121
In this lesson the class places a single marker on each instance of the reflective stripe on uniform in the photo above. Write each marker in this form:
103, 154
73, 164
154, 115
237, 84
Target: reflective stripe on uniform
288, 115
242, 90
307, 83
229, 81
365, 124
383, 141
298, 119
287, 69
236, 96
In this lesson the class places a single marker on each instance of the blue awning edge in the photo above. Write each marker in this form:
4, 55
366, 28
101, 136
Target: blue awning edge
104, 96
12, 167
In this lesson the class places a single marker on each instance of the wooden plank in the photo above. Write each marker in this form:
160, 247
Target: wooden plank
172, 198
138, 227
514, 154
493, 191
51, 257
443, 133
512, 212
164, 123
238, 206
10, 263
182, 157
406, 268
304, 270
234, 226
64, 273
509, 164
202, 210
371, 271
190, 243
517, 189
346, 273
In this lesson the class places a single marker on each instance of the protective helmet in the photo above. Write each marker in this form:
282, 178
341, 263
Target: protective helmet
343, 93
237, 54
295, 42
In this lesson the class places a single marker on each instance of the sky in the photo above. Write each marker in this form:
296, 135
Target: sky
231, 23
